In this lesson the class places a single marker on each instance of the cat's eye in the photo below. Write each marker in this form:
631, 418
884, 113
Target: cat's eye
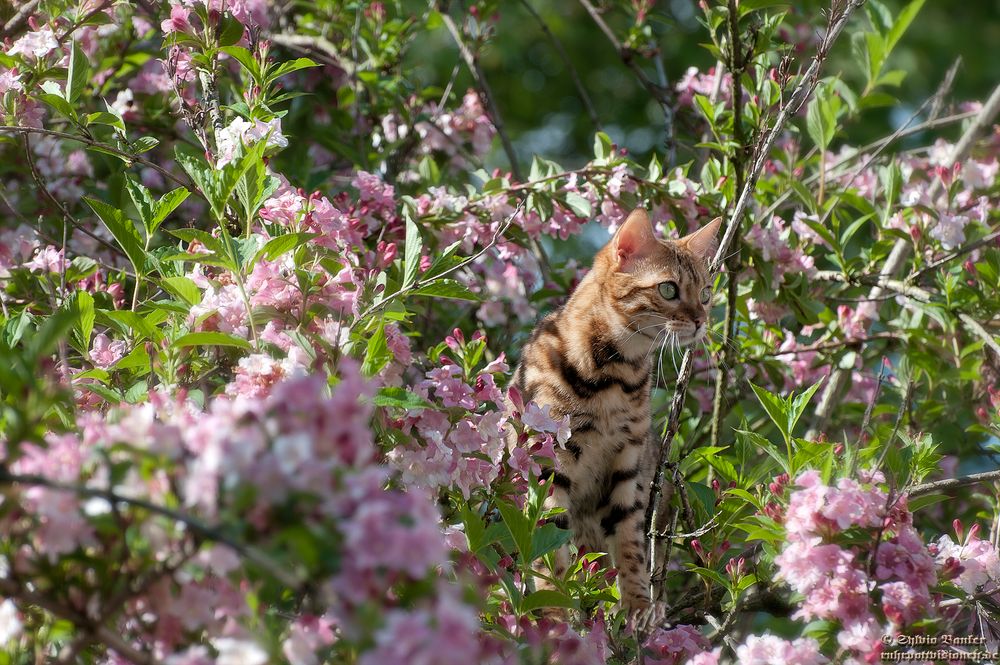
706, 295
669, 290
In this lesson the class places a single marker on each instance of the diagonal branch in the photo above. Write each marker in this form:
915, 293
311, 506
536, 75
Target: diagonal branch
570, 67
196, 526
954, 483
472, 62
839, 16
901, 249
103, 634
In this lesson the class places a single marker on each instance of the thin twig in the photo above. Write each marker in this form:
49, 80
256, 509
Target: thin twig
802, 91
196, 526
472, 62
20, 19
103, 634
68, 219
951, 256
954, 483
659, 93
14, 129
977, 329
421, 283
570, 67
901, 249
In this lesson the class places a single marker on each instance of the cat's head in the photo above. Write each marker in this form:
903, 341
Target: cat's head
659, 287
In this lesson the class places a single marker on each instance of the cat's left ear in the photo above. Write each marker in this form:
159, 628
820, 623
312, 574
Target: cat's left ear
703, 242
634, 240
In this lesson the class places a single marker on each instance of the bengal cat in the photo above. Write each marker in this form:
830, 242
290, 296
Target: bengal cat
591, 359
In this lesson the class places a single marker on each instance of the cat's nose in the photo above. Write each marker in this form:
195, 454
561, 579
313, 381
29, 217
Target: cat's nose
697, 321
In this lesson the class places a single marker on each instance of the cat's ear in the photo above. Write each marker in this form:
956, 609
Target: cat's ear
634, 239
703, 243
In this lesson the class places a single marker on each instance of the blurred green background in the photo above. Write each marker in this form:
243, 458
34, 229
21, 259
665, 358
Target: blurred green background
544, 115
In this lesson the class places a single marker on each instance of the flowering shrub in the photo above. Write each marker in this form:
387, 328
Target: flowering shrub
261, 300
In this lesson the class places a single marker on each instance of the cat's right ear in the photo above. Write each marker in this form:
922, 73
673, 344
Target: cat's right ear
634, 240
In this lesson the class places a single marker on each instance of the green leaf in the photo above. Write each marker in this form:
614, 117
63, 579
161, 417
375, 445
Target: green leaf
445, 288
143, 201
775, 407
211, 338
59, 104
166, 205
281, 245
245, 58
799, 404
377, 354
144, 143
411, 256
231, 31
78, 73
52, 330
86, 315
548, 538
579, 205
519, 527
182, 287
401, 398
105, 118
902, 22
124, 232
547, 598
291, 66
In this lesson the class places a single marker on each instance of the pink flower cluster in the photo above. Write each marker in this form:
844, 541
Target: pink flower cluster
834, 579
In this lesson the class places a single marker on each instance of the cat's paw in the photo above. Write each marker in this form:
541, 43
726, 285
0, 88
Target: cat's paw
645, 616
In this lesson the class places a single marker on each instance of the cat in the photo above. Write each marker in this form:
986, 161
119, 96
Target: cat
591, 360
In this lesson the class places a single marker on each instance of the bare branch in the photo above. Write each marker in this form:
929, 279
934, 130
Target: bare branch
570, 67
901, 249
103, 634
954, 483
803, 90
472, 62
196, 526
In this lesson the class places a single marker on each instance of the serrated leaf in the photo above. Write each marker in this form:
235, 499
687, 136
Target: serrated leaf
579, 205
123, 230
445, 288
548, 538
182, 287
166, 205
547, 598
78, 72
401, 398
291, 66
902, 23
799, 403
775, 407
245, 58
59, 104
144, 144
411, 256
86, 315
143, 201
211, 338
377, 353
105, 118
281, 245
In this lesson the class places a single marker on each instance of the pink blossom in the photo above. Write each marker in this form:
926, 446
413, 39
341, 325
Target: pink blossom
446, 633
10, 622
241, 132
308, 635
538, 418
675, 645
35, 45
10, 79
768, 649
104, 352
178, 21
